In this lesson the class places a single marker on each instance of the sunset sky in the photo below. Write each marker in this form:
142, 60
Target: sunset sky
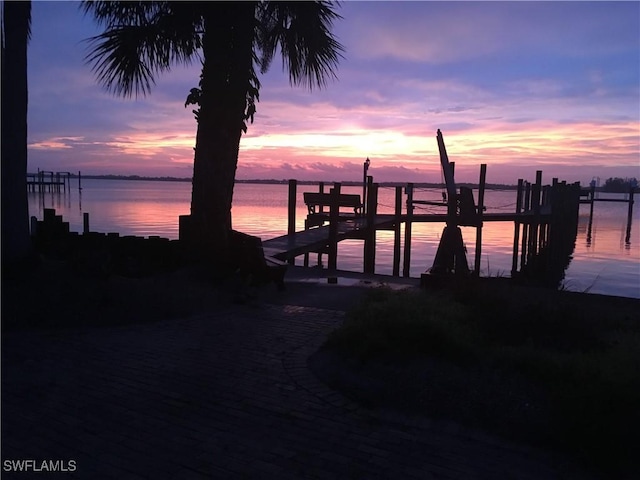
520, 86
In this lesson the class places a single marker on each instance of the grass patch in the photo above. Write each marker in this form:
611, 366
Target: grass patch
582, 351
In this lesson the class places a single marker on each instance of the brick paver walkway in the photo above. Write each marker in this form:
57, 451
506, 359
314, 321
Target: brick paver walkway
223, 395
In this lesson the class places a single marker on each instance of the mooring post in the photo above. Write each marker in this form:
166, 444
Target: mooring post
79, 181
516, 231
556, 193
321, 210
592, 196
546, 203
85, 223
526, 227
481, 185
370, 233
535, 203
629, 214
367, 162
321, 190
396, 232
333, 232
406, 265
291, 223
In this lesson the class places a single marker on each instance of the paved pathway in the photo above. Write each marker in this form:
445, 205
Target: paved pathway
223, 395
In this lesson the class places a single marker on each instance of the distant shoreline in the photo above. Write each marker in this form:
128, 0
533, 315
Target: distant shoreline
285, 182
273, 181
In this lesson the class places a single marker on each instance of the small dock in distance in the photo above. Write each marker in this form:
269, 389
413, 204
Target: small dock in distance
53, 182
588, 196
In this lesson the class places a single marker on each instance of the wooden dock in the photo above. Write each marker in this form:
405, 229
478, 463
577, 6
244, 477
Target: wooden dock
289, 246
54, 182
545, 222
588, 197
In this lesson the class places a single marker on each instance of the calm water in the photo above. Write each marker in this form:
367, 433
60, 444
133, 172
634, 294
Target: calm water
605, 264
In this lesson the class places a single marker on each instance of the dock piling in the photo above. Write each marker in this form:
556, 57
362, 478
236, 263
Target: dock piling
406, 265
396, 232
629, 215
516, 230
370, 235
481, 187
291, 225
333, 231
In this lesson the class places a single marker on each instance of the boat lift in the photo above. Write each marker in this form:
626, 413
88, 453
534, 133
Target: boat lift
451, 256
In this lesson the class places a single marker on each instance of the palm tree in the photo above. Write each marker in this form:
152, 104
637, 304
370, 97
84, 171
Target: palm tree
16, 24
233, 41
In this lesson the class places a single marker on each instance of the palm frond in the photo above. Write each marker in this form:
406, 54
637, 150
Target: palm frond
303, 31
141, 39
109, 13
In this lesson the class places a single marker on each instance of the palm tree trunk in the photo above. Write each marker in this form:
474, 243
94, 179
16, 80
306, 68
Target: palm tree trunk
16, 243
228, 56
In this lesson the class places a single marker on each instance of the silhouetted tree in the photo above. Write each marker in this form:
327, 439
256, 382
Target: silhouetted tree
16, 24
619, 185
232, 40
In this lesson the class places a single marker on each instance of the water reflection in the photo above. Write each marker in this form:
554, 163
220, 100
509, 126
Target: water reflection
603, 261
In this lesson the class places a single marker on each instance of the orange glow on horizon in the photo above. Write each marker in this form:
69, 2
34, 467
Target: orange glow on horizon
282, 153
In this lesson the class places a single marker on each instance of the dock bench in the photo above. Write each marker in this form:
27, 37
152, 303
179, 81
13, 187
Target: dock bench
315, 201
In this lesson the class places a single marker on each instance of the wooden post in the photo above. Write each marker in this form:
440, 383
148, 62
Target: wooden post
448, 171
526, 227
592, 196
85, 223
321, 210
34, 226
291, 223
545, 202
535, 203
452, 201
396, 232
516, 231
79, 181
333, 232
629, 214
370, 233
406, 265
321, 190
367, 162
481, 185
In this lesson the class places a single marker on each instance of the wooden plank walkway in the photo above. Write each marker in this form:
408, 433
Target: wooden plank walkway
287, 247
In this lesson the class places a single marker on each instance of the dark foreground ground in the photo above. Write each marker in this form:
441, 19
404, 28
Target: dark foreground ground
169, 377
